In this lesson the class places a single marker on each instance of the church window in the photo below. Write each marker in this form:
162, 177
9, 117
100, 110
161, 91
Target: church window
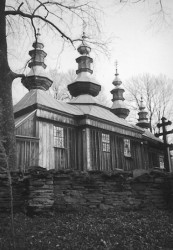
105, 142
127, 149
58, 137
161, 161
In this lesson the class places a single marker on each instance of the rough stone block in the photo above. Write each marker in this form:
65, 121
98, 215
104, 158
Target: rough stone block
105, 207
70, 200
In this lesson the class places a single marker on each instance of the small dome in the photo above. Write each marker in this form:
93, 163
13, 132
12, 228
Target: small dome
143, 120
38, 44
84, 49
141, 106
118, 107
117, 81
37, 77
85, 83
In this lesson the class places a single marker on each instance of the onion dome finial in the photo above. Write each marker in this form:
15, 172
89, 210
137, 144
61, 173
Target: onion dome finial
38, 44
84, 83
83, 48
116, 65
116, 82
141, 106
37, 78
118, 107
143, 120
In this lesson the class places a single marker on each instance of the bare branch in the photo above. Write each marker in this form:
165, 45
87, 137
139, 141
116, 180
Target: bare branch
20, 6
31, 17
15, 75
156, 92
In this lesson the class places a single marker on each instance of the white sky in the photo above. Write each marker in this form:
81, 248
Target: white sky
141, 43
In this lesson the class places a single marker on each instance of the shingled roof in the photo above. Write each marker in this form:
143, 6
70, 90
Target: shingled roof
41, 97
82, 105
85, 105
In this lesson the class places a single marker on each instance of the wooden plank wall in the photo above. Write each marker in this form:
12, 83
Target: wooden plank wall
52, 157
80, 149
46, 149
145, 156
74, 155
66, 158
115, 158
27, 152
27, 144
154, 157
27, 128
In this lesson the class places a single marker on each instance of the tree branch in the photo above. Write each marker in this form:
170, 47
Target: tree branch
31, 17
20, 6
13, 75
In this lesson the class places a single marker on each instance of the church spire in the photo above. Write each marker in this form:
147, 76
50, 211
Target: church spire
84, 82
143, 120
118, 107
37, 77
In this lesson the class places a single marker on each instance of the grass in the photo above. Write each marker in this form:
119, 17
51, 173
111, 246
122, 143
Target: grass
88, 229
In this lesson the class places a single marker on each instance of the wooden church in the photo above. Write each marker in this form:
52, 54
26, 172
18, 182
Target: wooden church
82, 134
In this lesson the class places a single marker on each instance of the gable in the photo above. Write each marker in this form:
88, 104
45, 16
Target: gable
25, 125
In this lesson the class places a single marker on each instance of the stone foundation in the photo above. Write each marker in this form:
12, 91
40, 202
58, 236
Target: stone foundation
40, 190
19, 192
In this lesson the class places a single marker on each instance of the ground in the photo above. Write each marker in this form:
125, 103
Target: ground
87, 229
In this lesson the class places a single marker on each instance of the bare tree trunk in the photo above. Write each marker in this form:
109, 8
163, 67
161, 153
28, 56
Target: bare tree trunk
6, 78
7, 136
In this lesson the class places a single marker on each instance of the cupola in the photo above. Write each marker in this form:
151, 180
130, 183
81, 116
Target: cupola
37, 77
118, 107
143, 120
84, 82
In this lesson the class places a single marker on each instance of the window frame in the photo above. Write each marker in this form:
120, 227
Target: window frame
127, 148
161, 162
58, 137
106, 143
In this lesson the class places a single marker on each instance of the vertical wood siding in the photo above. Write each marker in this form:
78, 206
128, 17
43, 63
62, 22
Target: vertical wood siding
46, 149
154, 157
27, 128
100, 160
27, 152
114, 159
27, 144
80, 149
52, 157
74, 155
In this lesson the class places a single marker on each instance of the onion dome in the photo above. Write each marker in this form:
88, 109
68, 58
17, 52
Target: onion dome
37, 77
118, 107
84, 49
143, 120
84, 82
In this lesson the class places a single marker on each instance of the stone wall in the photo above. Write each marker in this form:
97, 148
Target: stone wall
19, 191
116, 190
40, 186
170, 191
40, 189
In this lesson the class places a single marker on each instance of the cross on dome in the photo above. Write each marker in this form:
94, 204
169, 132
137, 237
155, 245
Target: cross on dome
38, 32
84, 48
116, 67
83, 36
141, 106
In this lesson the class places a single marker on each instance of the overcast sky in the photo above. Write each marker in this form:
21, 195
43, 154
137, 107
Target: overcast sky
142, 42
